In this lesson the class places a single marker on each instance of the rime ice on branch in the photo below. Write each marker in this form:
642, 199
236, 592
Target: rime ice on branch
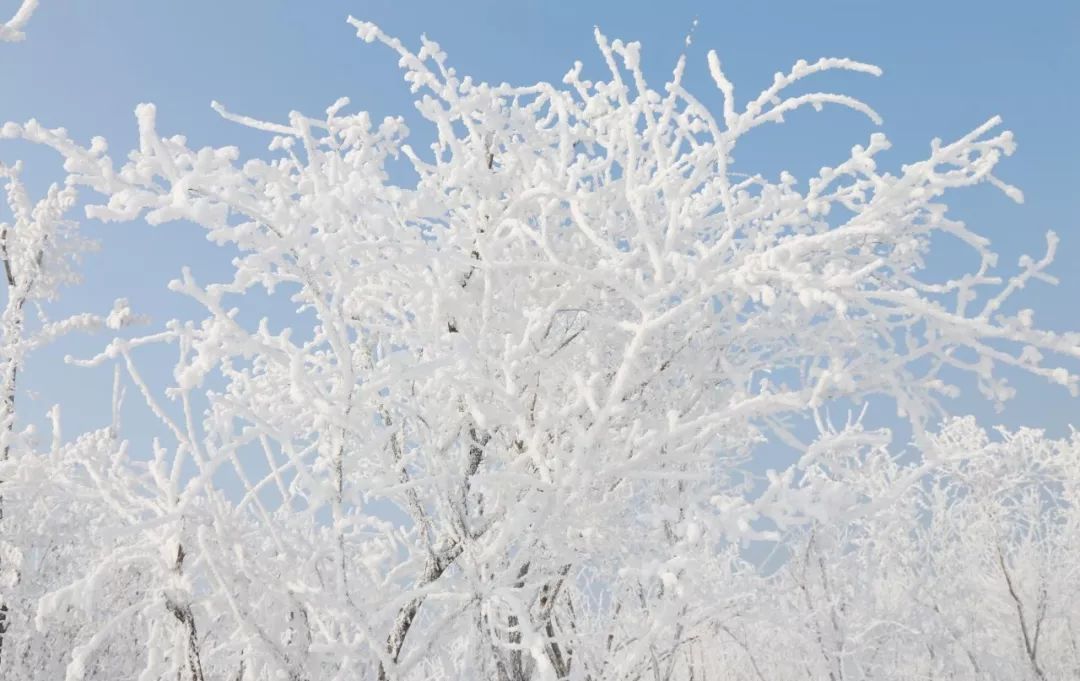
12, 30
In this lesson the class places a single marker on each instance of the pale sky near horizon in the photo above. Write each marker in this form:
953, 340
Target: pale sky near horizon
948, 66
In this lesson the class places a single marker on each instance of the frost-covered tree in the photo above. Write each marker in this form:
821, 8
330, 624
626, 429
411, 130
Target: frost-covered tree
508, 420
40, 249
969, 574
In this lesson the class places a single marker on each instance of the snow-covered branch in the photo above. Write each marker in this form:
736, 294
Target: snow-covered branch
13, 29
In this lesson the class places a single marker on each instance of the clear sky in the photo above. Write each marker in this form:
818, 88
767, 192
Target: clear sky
949, 65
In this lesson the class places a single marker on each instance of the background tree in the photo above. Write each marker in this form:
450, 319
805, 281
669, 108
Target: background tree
40, 544
969, 574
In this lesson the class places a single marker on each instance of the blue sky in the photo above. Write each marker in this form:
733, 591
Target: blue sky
948, 67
